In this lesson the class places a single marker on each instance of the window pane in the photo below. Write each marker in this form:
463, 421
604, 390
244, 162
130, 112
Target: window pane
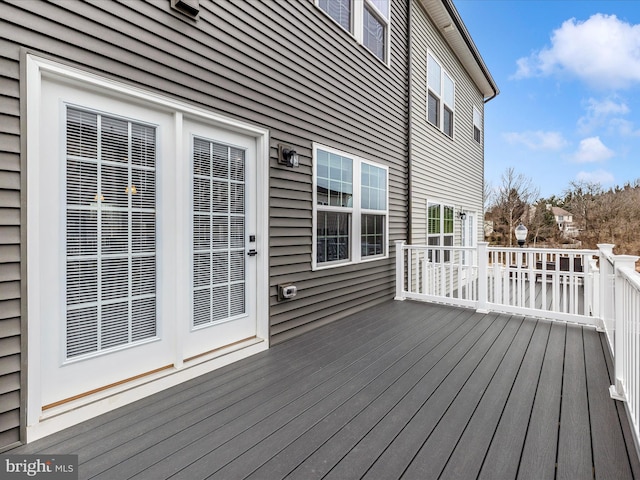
433, 219
372, 237
373, 33
448, 242
383, 6
476, 134
339, 10
447, 124
332, 236
448, 220
334, 180
374, 187
433, 75
476, 117
433, 241
447, 93
433, 110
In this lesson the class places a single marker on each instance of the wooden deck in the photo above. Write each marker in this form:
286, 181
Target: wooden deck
405, 390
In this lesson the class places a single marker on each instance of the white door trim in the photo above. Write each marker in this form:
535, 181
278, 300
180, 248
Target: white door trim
38, 68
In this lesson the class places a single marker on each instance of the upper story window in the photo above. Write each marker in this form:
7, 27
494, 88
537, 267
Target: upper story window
440, 96
367, 20
477, 125
350, 208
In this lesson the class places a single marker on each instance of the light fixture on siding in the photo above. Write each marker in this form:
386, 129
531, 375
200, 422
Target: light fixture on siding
462, 215
287, 156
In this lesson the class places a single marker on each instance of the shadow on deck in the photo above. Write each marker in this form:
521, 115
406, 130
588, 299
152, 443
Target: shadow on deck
404, 390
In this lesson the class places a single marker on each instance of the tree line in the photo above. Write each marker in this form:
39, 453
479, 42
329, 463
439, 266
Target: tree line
598, 215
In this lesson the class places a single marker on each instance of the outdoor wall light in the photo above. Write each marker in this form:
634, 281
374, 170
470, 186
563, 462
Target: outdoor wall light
463, 216
288, 156
521, 234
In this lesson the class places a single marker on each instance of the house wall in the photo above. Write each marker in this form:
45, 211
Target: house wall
311, 83
450, 170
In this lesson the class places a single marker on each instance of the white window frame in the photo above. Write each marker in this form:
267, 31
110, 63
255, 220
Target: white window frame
441, 97
441, 234
357, 24
355, 210
477, 124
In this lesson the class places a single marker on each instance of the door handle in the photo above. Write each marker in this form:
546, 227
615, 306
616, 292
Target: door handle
252, 252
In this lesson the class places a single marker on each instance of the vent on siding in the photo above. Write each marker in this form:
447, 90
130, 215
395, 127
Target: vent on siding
188, 7
111, 229
218, 232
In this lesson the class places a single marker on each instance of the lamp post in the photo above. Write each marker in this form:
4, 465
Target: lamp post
521, 234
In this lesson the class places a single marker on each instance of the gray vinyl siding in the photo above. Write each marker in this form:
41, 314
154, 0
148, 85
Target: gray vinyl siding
10, 275
450, 170
313, 83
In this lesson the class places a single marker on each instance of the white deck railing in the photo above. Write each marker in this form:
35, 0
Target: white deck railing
591, 287
626, 341
551, 283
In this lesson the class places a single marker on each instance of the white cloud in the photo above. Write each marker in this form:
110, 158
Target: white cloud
598, 111
538, 140
603, 51
592, 150
623, 127
599, 176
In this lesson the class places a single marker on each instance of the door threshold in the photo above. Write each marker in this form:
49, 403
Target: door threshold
77, 409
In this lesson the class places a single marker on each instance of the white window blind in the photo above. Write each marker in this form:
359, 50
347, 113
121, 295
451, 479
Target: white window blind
110, 232
218, 232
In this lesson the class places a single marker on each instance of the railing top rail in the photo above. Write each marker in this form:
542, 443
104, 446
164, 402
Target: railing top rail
630, 274
543, 250
437, 247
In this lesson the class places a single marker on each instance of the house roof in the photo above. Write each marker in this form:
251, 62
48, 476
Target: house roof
557, 211
447, 19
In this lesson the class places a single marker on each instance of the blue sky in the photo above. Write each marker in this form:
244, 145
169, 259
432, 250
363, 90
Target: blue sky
569, 79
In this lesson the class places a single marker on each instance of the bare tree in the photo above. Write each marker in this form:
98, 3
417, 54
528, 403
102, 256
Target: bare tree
582, 199
542, 224
512, 199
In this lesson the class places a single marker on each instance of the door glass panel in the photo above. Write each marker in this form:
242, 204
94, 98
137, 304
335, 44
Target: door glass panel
219, 228
110, 232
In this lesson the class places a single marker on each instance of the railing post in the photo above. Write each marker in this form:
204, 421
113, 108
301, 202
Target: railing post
399, 270
605, 252
483, 280
617, 390
594, 281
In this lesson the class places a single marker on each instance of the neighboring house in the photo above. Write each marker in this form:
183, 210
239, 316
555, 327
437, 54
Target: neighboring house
564, 220
170, 169
449, 86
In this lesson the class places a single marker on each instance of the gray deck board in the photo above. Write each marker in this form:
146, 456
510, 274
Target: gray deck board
574, 446
503, 457
539, 454
471, 448
608, 444
432, 457
404, 390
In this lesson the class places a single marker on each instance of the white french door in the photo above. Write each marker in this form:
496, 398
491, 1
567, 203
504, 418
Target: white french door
224, 228
143, 240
